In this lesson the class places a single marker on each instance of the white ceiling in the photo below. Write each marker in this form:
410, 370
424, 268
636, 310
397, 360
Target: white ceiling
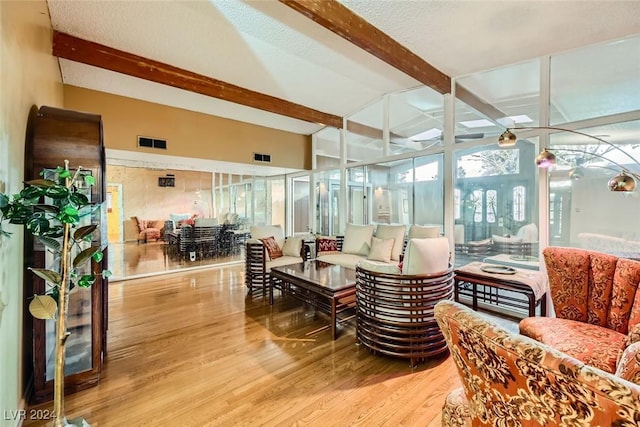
268, 47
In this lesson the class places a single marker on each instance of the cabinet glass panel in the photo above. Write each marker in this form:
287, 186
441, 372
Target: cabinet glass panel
79, 322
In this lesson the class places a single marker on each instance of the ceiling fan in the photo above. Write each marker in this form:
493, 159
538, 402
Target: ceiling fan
436, 140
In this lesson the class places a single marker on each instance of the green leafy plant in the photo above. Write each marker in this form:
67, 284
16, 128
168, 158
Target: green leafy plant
51, 209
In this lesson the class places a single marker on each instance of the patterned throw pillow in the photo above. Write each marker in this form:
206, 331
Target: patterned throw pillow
272, 247
326, 244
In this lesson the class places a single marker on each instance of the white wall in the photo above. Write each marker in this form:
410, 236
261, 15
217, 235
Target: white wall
29, 75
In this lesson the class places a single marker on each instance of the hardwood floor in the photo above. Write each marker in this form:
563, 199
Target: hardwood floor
192, 349
133, 260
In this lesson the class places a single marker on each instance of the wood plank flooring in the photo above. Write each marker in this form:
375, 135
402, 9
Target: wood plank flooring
192, 349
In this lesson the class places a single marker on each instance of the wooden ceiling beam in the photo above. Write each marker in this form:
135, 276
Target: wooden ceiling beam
337, 18
97, 55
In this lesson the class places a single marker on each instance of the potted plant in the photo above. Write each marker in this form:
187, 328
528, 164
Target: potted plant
52, 209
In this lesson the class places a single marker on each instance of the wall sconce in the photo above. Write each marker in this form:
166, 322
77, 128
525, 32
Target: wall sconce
623, 181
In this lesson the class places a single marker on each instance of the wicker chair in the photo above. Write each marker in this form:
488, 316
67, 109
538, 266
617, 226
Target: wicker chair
395, 312
258, 265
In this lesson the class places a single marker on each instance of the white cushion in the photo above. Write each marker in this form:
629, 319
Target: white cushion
177, 217
503, 239
264, 231
379, 267
357, 239
292, 246
426, 256
479, 242
529, 233
345, 260
396, 232
423, 232
381, 249
283, 260
206, 222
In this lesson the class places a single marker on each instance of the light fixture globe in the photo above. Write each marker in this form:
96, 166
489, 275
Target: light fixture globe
546, 159
507, 139
622, 182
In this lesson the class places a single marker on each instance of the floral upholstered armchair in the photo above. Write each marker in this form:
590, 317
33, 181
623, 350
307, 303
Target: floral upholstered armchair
510, 380
597, 305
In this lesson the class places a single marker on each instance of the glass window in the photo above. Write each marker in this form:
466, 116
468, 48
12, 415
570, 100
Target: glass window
327, 202
416, 119
277, 199
300, 207
583, 212
489, 101
428, 203
364, 136
327, 148
495, 197
608, 81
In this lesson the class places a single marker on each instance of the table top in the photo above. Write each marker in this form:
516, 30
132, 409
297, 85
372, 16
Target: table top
517, 261
536, 280
322, 274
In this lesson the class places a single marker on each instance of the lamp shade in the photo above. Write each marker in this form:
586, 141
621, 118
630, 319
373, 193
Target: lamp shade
545, 159
622, 182
507, 139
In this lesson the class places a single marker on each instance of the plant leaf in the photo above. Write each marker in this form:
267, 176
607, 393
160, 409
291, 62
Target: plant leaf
106, 273
50, 243
57, 192
82, 232
41, 183
85, 255
86, 281
4, 200
97, 257
38, 225
43, 307
89, 180
48, 275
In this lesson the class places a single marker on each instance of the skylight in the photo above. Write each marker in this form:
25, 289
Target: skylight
427, 134
481, 123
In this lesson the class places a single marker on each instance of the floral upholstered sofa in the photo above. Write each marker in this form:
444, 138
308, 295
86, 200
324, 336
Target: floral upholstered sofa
511, 380
597, 306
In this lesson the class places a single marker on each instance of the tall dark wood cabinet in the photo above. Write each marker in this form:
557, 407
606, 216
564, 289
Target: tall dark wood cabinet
53, 136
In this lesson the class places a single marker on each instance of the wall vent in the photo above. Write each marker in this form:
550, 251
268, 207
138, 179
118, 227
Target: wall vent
265, 158
145, 141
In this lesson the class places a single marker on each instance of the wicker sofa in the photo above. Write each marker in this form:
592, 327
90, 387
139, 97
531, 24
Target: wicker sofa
512, 380
597, 306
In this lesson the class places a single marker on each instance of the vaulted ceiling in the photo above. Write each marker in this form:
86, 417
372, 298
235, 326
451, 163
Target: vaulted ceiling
301, 65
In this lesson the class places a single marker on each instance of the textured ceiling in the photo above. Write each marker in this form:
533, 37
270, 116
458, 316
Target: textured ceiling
268, 47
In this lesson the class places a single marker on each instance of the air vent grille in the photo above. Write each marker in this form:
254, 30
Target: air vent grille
145, 141
264, 158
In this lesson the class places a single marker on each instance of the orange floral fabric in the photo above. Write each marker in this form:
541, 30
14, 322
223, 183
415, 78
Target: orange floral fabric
625, 284
592, 344
596, 303
513, 381
568, 281
629, 364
